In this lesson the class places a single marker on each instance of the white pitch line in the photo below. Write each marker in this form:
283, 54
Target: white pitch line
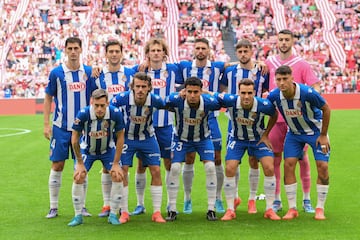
20, 132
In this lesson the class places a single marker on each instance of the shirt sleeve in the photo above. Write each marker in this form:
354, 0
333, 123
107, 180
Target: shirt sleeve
79, 121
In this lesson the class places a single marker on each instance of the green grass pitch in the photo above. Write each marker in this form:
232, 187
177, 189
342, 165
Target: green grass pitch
24, 199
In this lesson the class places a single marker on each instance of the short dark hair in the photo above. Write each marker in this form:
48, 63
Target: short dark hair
243, 43
112, 43
99, 93
287, 32
246, 82
143, 77
283, 70
202, 40
73, 40
193, 81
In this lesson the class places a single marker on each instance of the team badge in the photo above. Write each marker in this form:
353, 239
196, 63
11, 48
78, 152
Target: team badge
105, 125
124, 78
299, 104
208, 71
202, 114
253, 116
146, 111
254, 73
166, 74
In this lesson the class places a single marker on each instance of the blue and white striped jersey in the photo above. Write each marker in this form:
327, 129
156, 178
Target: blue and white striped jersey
98, 134
163, 83
234, 74
138, 119
246, 124
71, 91
210, 75
191, 123
115, 82
303, 113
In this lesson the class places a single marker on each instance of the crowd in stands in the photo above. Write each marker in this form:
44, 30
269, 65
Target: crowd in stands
41, 32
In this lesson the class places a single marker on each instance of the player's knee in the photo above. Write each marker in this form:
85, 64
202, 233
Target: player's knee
323, 173
268, 170
253, 162
58, 166
190, 158
175, 169
167, 164
231, 168
210, 167
290, 164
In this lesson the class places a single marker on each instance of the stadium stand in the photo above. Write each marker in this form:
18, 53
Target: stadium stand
32, 35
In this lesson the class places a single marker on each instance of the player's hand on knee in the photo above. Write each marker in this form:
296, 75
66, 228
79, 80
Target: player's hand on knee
117, 174
79, 173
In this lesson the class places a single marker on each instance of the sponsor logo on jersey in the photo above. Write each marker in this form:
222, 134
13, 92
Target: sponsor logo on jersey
138, 119
192, 121
98, 134
244, 121
293, 112
116, 88
76, 86
158, 83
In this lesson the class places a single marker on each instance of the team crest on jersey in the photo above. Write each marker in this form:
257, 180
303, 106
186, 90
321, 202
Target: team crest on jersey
146, 110
202, 114
158, 83
205, 83
253, 116
299, 104
76, 86
115, 88
85, 77
254, 73
124, 79
208, 71
105, 125
166, 74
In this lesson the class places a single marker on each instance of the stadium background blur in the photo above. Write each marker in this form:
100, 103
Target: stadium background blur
32, 42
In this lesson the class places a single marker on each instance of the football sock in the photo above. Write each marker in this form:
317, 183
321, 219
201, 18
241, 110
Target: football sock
54, 187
